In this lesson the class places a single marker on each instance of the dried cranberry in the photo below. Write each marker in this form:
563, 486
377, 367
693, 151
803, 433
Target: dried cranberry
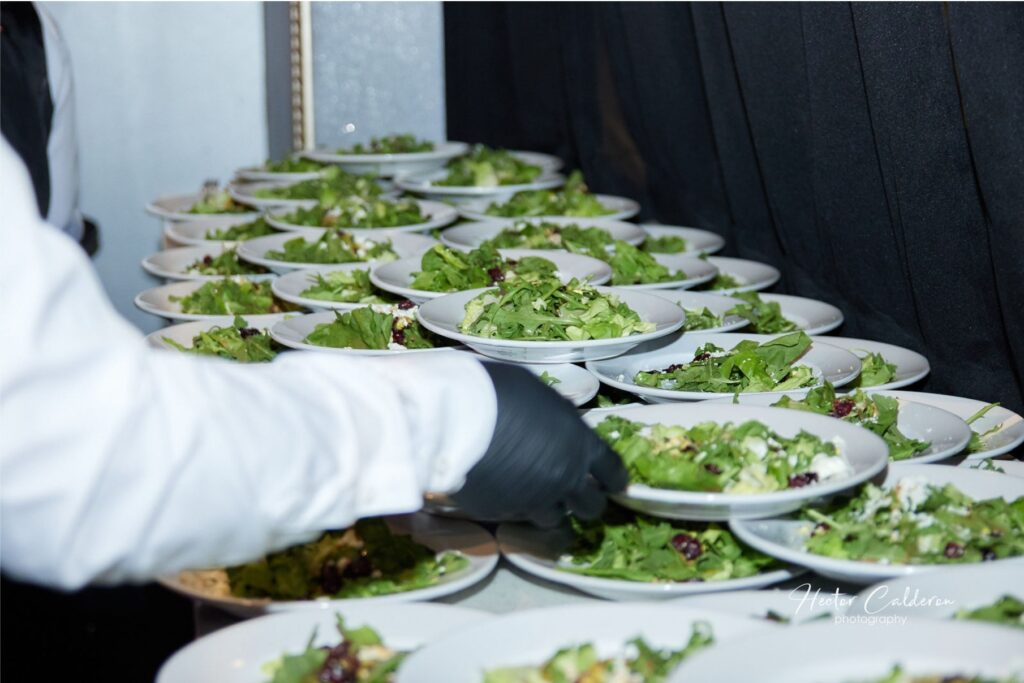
330, 577
246, 332
398, 336
713, 468
802, 479
687, 546
406, 304
701, 356
341, 665
207, 260
497, 275
987, 555
953, 550
672, 368
841, 407
821, 528
359, 567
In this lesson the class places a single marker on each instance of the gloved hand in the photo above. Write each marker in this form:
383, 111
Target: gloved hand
543, 460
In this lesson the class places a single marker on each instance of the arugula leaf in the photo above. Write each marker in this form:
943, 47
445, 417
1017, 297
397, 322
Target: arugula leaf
631, 266
1007, 610
232, 296
572, 200
346, 286
486, 167
239, 233
666, 244
238, 342
225, 263
330, 188
977, 442
359, 212
334, 246
765, 317
447, 270
374, 327
701, 320
294, 165
399, 143
719, 282
875, 370
545, 235
548, 379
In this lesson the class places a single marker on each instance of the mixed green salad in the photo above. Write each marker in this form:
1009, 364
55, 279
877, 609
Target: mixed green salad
719, 282
214, 200
399, 143
638, 663
633, 547
748, 457
915, 522
377, 327
334, 246
546, 235
238, 342
1007, 610
977, 442
447, 270
875, 370
574, 199
360, 657
610, 397
240, 233
898, 675
701, 319
486, 167
293, 165
232, 296
225, 263
747, 367
329, 189
346, 286
359, 212
878, 414
363, 561
631, 266
666, 244
545, 309
765, 317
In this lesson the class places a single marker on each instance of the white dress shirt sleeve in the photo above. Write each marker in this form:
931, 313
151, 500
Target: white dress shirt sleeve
119, 462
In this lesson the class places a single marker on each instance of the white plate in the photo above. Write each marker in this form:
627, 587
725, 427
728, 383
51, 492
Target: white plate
175, 208
171, 264
438, 215
396, 276
238, 653
438, 534
548, 162
697, 272
530, 637
574, 383
389, 165
184, 333
472, 235
810, 315
946, 433
1009, 436
537, 551
753, 276
823, 652
940, 594
293, 332
866, 454
799, 604
193, 233
698, 301
784, 537
621, 209
259, 174
443, 315
697, 241
289, 287
827, 362
910, 365
423, 183
405, 245
244, 193
1014, 468
157, 301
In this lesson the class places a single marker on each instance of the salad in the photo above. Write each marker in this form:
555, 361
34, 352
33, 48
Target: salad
363, 561
898, 675
631, 266
446, 270
238, 342
545, 235
875, 413
977, 442
400, 143
915, 522
634, 547
379, 327
232, 296
226, 263
1007, 610
333, 185
720, 281
609, 397
703, 319
666, 244
360, 657
215, 200
346, 286
638, 663
574, 199
748, 367
240, 233
544, 309
334, 246
765, 317
293, 165
548, 379
486, 167
748, 457
359, 212
874, 371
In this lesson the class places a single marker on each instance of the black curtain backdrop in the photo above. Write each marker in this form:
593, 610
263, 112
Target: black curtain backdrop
872, 152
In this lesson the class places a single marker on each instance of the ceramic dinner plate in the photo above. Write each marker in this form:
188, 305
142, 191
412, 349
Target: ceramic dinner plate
620, 208
437, 533
443, 316
472, 235
290, 287
174, 264
294, 331
185, 333
809, 315
796, 605
239, 653
751, 275
194, 233
574, 383
157, 301
530, 637
695, 272
828, 363
397, 276
538, 551
697, 241
259, 174
245, 193
696, 302
405, 245
425, 183
865, 453
945, 433
911, 366
437, 214
176, 208
823, 652
783, 537
390, 165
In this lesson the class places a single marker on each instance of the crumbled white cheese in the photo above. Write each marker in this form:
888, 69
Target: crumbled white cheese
827, 466
911, 492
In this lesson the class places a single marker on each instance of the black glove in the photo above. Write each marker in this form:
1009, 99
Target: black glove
543, 460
